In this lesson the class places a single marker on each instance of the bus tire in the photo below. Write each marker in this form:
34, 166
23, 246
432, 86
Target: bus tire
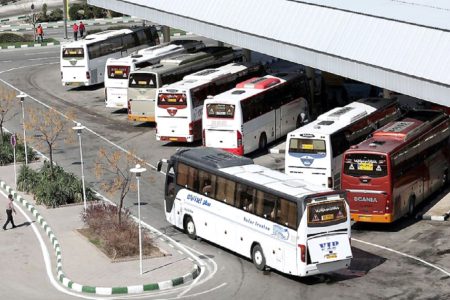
411, 206
263, 141
258, 257
189, 227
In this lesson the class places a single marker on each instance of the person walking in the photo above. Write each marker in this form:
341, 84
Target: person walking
9, 210
40, 33
75, 31
81, 28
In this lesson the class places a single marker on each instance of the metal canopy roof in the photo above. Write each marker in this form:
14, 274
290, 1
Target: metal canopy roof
401, 45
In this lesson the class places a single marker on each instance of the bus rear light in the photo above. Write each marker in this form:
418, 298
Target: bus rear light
61, 75
302, 252
88, 75
191, 128
330, 182
239, 138
129, 105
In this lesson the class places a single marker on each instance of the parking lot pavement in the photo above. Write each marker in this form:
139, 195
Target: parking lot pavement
80, 266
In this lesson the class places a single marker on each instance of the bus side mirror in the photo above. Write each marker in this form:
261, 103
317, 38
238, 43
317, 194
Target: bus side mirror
160, 163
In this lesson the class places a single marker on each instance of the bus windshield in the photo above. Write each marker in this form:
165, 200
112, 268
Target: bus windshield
142, 80
215, 110
118, 72
309, 146
326, 213
360, 164
172, 99
73, 53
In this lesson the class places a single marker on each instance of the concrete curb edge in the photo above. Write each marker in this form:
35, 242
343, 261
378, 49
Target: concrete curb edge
31, 45
133, 289
444, 217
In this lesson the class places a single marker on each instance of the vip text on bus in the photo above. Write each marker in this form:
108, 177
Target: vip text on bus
314, 151
144, 83
276, 220
255, 113
180, 104
83, 61
117, 70
404, 162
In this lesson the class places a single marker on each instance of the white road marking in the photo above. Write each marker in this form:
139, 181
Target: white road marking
37, 53
406, 255
39, 58
23, 67
5, 61
45, 254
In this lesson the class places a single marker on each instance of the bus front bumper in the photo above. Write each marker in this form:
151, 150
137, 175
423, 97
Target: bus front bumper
385, 218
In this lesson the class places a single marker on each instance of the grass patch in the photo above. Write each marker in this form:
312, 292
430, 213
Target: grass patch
173, 31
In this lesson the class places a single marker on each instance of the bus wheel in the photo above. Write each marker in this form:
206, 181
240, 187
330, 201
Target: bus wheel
189, 226
258, 258
411, 206
262, 141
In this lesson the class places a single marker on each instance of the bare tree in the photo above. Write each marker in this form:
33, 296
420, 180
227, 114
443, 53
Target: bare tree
50, 128
114, 170
7, 102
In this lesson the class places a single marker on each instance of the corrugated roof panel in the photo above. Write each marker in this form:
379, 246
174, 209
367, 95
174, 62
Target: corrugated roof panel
307, 33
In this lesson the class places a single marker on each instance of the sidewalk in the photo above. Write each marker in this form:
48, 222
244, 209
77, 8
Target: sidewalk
80, 266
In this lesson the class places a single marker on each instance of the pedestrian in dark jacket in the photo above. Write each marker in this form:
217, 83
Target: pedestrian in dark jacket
9, 211
75, 31
81, 28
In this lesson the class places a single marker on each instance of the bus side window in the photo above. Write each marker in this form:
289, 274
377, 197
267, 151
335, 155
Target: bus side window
207, 184
225, 190
245, 197
288, 214
269, 206
182, 175
193, 182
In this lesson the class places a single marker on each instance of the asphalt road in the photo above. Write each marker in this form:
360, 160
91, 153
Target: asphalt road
390, 262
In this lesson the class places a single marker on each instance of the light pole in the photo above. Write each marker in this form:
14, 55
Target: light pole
21, 97
33, 21
138, 170
65, 12
78, 129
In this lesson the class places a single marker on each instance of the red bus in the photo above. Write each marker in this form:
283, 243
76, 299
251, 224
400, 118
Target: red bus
405, 161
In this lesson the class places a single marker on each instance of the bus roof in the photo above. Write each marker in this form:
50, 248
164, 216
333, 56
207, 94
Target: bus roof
204, 76
96, 37
171, 63
394, 135
145, 54
252, 87
220, 161
340, 117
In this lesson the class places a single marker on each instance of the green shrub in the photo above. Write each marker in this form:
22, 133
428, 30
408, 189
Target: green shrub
9, 37
56, 15
7, 152
74, 12
60, 189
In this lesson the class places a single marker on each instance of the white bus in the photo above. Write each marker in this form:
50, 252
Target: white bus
255, 113
276, 220
180, 104
117, 70
83, 61
314, 151
144, 83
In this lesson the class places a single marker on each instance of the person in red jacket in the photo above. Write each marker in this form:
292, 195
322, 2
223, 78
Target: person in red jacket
40, 33
81, 28
75, 31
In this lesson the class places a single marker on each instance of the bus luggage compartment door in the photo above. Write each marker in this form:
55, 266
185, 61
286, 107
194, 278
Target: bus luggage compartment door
329, 248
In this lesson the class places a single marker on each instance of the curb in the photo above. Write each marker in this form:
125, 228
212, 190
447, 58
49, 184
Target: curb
133, 289
31, 46
60, 24
276, 151
444, 217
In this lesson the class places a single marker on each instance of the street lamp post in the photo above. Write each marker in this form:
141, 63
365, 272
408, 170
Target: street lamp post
138, 170
33, 21
21, 97
78, 129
